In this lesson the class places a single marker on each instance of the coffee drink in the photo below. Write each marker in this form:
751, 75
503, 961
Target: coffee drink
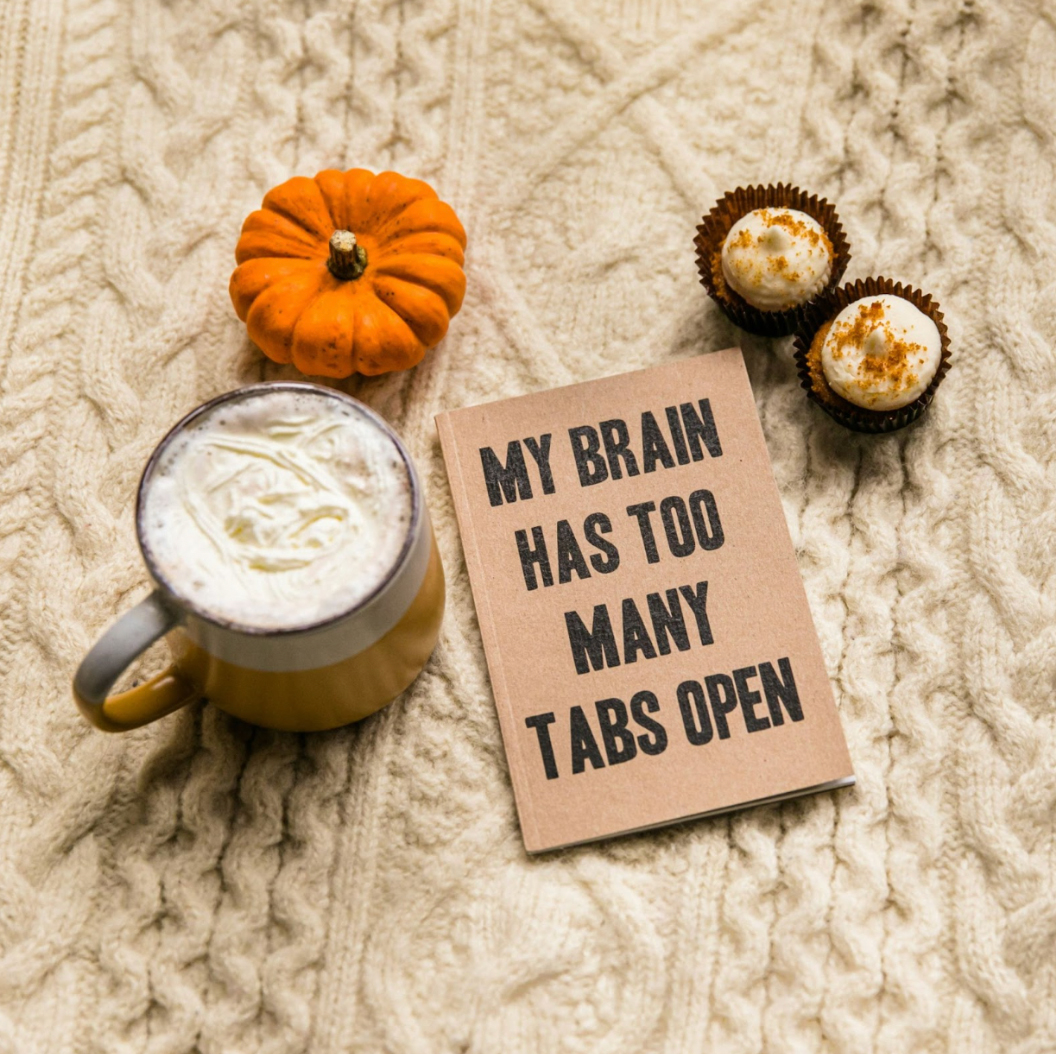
278, 511
296, 576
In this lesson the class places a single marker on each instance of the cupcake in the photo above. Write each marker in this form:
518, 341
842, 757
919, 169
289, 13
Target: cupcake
765, 253
872, 354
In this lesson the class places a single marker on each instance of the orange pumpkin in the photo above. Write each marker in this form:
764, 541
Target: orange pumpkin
349, 272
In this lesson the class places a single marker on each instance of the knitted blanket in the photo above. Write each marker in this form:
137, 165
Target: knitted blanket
201, 885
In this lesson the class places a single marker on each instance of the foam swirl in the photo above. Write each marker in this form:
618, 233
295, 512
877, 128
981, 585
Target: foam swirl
277, 510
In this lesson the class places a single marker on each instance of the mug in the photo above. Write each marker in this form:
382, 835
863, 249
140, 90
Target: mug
300, 679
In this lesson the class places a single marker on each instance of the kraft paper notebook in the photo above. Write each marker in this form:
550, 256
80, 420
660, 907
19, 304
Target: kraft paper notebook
650, 646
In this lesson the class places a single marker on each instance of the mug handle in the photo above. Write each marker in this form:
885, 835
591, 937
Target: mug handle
129, 636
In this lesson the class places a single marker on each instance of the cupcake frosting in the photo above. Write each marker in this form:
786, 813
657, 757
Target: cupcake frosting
777, 258
881, 352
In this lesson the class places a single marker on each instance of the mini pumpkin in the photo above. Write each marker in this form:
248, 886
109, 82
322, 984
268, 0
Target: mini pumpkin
349, 272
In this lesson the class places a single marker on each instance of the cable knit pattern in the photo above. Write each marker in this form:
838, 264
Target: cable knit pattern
200, 885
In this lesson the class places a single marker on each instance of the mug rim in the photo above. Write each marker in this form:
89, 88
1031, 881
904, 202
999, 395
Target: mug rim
183, 603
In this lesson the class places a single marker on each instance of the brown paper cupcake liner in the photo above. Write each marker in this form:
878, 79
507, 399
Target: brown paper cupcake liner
712, 233
820, 313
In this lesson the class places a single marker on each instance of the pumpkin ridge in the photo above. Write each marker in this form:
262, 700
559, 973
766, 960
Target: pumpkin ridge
369, 212
291, 218
267, 233
423, 216
300, 200
403, 226
400, 340
427, 271
423, 243
272, 316
340, 190
389, 195
252, 277
294, 280
423, 310
322, 337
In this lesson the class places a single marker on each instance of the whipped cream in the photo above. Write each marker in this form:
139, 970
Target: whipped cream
881, 352
777, 258
277, 510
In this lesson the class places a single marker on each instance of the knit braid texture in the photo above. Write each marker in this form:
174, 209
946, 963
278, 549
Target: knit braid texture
200, 885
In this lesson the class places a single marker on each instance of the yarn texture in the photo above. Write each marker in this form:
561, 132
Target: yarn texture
201, 885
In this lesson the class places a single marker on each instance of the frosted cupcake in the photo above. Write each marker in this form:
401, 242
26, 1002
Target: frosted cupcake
872, 354
765, 253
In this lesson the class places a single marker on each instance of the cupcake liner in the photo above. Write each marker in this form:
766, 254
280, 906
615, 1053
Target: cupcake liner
820, 313
712, 233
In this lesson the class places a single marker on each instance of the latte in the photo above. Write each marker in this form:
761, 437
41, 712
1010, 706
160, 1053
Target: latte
279, 510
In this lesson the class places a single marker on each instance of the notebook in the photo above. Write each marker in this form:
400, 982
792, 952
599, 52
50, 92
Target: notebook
651, 650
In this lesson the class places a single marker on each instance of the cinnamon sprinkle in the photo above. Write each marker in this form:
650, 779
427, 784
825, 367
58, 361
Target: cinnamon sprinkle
743, 239
891, 371
795, 227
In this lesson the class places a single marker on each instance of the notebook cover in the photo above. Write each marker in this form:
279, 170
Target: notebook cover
651, 650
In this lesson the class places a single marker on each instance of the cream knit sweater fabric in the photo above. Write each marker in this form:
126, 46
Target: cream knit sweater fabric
200, 885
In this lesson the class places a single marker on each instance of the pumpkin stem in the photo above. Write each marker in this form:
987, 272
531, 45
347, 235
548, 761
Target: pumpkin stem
347, 259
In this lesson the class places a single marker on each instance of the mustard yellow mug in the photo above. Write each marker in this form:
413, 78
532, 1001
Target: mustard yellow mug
274, 488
